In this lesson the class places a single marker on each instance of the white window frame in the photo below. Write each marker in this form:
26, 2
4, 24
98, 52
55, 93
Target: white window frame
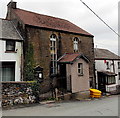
108, 65
80, 69
9, 47
118, 65
119, 75
53, 49
75, 44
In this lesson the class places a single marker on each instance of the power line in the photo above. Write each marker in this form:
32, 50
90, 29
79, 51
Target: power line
101, 44
100, 18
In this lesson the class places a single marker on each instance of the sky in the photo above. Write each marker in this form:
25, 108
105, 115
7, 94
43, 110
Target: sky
79, 14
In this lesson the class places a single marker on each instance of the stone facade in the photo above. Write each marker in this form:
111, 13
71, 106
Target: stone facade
40, 41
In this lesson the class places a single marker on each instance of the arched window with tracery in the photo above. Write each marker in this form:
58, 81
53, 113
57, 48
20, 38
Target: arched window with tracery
75, 44
53, 52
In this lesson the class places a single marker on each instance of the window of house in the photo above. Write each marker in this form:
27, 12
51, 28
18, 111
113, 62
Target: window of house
118, 65
119, 75
8, 71
111, 80
75, 44
10, 45
80, 69
108, 65
53, 51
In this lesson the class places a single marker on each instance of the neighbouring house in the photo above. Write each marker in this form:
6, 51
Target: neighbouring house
11, 52
107, 67
47, 39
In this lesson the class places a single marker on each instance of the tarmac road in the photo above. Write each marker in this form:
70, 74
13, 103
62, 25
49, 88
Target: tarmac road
107, 106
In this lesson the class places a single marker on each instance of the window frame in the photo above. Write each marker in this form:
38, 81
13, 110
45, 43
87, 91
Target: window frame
111, 80
8, 66
118, 65
80, 69
8, 45
76, 44
108, 65
119, 75
53, 52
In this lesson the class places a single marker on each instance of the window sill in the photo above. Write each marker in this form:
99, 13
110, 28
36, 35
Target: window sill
110, 83
80, 74
10, 51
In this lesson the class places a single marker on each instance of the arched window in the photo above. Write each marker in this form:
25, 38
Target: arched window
53, 51
75, 44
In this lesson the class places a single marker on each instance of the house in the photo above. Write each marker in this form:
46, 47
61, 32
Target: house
107, 66
76, 80
11, 52
47, 39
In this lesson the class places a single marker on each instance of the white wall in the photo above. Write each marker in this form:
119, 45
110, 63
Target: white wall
101, 66
9, 57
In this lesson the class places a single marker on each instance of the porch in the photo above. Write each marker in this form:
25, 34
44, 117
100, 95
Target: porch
106, 81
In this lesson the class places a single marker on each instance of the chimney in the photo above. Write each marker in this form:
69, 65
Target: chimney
12, 4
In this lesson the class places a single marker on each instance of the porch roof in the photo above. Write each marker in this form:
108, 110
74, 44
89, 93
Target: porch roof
108, 73
71, 57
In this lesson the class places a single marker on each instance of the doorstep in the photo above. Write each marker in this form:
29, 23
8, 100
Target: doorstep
47, 102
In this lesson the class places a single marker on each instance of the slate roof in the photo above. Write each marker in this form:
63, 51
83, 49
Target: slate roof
7, 30
71, 57
44, 21
105, 54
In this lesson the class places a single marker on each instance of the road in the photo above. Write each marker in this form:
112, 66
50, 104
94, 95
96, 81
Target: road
107, 106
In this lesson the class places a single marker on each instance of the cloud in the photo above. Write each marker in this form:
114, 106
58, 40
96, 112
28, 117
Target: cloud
76, 12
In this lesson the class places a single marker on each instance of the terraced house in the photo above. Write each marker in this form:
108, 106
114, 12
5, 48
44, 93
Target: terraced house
107, 68
54, 46
11, 52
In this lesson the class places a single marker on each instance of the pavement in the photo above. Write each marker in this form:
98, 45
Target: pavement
105, 106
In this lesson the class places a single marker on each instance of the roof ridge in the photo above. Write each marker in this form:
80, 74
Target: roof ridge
106, 50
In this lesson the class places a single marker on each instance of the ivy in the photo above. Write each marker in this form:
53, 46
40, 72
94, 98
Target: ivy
29, 63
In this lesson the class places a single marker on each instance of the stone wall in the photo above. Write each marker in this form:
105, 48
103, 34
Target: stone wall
16, 93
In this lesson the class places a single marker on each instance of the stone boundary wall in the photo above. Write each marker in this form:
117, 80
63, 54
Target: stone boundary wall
16, 93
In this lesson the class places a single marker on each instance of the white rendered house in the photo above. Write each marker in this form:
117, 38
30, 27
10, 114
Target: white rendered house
107, 70
11, 52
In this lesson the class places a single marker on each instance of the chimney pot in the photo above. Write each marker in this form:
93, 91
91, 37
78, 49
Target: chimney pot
12, 5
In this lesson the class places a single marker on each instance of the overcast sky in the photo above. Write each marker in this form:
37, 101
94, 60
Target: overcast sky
76, 12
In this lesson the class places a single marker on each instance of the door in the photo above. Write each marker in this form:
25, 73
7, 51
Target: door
69, 83
101, 82
63, 81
